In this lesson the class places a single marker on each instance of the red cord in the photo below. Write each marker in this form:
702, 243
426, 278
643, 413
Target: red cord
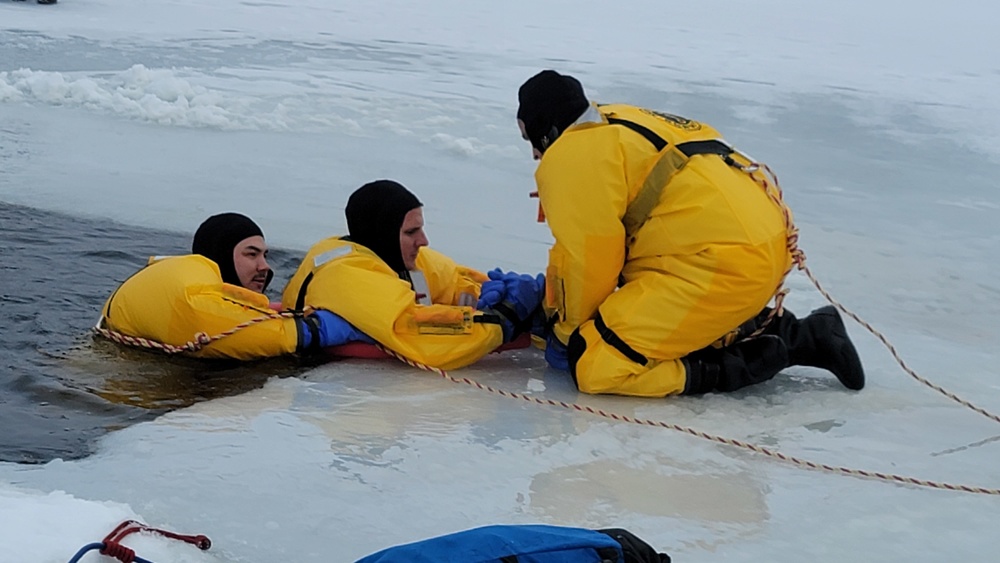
131, 526
118, 551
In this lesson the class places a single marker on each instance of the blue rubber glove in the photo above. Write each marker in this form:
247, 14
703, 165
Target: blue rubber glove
515, 297
524, 293
333, 330
521, 292
555, 354
490, 293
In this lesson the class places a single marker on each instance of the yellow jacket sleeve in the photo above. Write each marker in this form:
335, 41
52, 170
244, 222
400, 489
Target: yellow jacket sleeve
584, 193
450, 283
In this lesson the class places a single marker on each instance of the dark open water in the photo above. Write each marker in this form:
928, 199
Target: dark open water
61, 388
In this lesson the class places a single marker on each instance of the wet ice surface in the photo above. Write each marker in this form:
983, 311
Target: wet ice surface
885, 147
355, 456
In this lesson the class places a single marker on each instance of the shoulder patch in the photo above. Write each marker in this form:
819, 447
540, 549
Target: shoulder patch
675, 120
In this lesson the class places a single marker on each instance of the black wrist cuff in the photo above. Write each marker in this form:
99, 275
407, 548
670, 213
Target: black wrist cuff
311, 324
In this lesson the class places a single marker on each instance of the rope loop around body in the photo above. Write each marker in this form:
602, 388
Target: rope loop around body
197, 342
760, 173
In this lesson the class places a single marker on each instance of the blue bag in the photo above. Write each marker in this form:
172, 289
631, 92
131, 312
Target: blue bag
508, 544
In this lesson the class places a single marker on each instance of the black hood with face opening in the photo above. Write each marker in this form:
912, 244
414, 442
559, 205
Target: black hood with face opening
375, 214
217, 237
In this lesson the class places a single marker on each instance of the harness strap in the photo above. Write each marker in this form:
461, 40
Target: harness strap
300, 301
659, 142
672, 160
617, 343
708, 146
488, 318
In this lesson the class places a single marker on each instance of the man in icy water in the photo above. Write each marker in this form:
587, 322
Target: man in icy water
212, 290
668, 246
385, 280
236, 244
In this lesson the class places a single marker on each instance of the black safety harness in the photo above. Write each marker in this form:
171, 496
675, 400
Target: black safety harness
671, 160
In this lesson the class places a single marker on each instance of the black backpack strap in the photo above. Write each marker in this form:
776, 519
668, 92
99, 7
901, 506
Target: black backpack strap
634, 549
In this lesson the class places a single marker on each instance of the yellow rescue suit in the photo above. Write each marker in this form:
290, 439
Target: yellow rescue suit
353, 282
173, 299
657, 253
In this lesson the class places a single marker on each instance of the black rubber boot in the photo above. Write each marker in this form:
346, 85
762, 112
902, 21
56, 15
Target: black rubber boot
727, 369
819, 340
